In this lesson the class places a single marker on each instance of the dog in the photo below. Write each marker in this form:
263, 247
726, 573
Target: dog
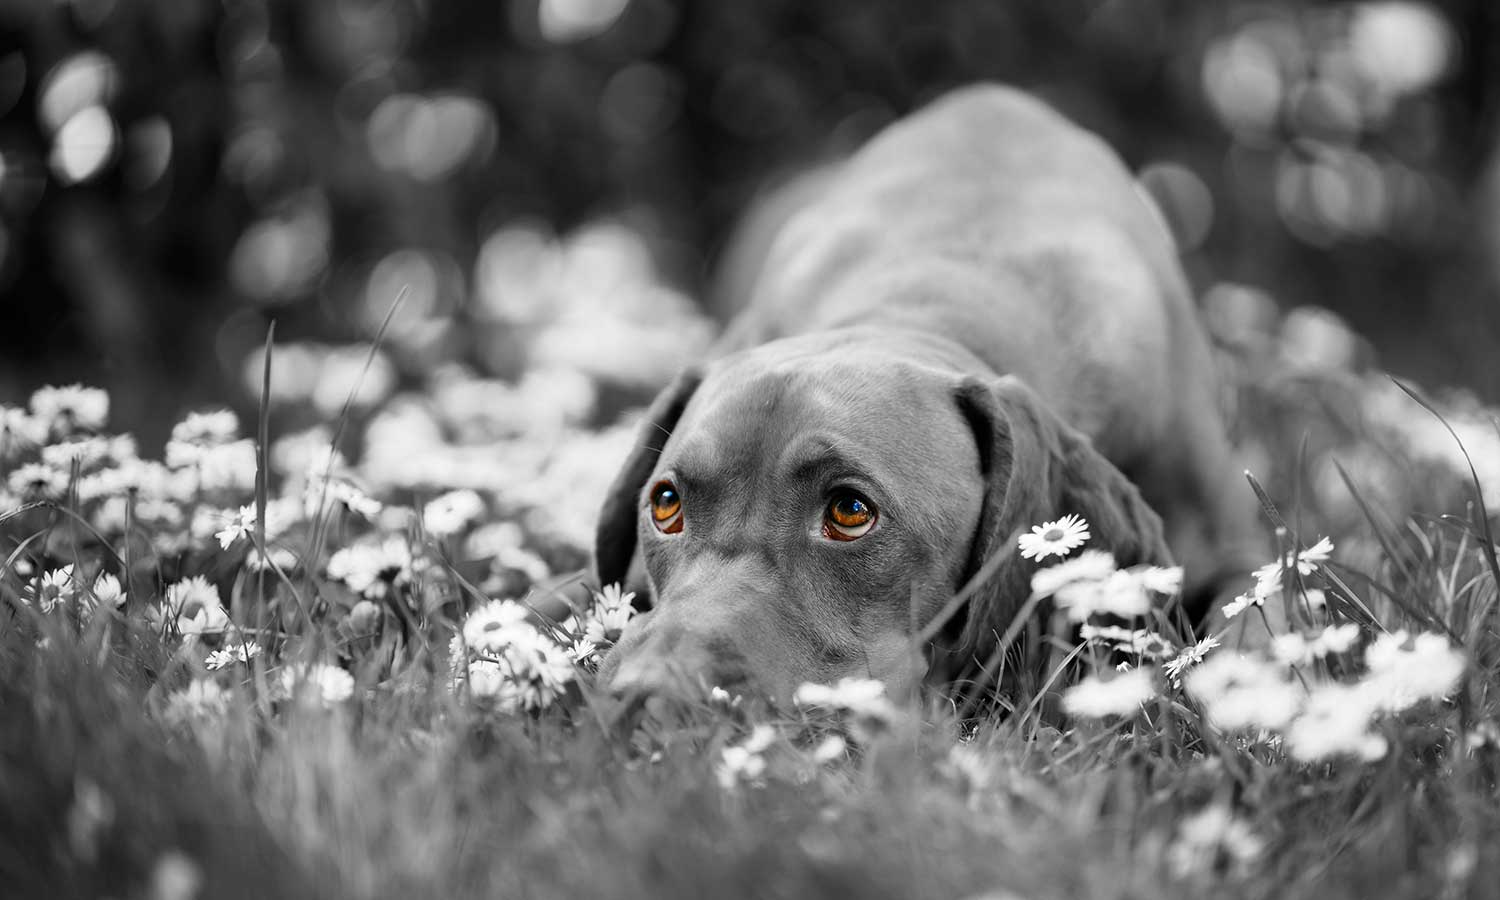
974, 324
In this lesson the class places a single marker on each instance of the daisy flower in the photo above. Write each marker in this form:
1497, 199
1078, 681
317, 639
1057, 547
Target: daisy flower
88, 452
66, 409
34, 480
204, 698
451, 513
490, 682
612, 610
1122, 695
745, 763
1240, 692
1120, 594
1335, 722
1159, 579
1241, 603
227, 467
320, 492
55, 589
19, 430
539, 667
612, 595
276, 557
1090, 565
738, 765
833, 748
232, 653
319, 683
241, 524
1189, 658
373, 569
1268, 576
194, 605
1405, 670
723, 698
583, 650
494, 626
107, 591
1139, 641
863, 697
1209, 837
218, 426
1057, 538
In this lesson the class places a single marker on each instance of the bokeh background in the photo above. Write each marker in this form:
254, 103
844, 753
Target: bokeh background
549, 182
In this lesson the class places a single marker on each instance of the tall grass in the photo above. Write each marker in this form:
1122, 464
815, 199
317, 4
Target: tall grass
111, 784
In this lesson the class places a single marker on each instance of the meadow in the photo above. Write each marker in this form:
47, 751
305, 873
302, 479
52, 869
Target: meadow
266, 666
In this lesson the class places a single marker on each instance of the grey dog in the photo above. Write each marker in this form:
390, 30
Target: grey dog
975, 324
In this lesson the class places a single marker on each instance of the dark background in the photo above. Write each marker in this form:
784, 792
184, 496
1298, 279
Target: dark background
176, 173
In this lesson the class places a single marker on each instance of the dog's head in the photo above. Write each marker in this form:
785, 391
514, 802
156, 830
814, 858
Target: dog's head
802, 510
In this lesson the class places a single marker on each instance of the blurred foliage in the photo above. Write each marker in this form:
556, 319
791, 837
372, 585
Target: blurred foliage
545, 182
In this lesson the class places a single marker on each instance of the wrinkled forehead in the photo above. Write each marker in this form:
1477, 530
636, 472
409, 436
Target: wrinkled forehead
800, 410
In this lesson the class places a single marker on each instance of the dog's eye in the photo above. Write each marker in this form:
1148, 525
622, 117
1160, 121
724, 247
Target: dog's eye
849, 516
666, 508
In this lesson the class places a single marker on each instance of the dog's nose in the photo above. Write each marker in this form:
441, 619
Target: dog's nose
677, 665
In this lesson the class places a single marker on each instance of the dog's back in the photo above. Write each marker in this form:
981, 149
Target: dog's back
992, 219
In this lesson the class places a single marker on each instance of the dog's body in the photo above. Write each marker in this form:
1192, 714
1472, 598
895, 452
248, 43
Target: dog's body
975, 324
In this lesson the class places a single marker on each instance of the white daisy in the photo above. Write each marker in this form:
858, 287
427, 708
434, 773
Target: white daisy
1090, 565
36, 481
494, 626
834, 748
1241, 603
19, 431
373, 569
228, 467
204, 698
859, 696
723, 698
1405, 670
613, 595
88, 452
1189, 658
65, 409
1057, 538
194, 605
318, 684
218, 426
55, 588
1159, 579
1210, 838
451, 513
320, 493
583, 650
1240, 692
490, 682
241, 524
1122, 695
738, 765
1335, 721
232, 653
1120, 594
107, 592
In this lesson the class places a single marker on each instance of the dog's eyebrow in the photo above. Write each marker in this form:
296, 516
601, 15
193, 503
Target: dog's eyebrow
820, 456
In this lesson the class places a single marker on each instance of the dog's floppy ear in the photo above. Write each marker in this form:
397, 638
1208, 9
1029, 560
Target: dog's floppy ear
1037, 468
614, 539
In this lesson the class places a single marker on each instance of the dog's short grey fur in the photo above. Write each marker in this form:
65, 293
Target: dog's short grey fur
979, 323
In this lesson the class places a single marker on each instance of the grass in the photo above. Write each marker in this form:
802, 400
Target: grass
410, 788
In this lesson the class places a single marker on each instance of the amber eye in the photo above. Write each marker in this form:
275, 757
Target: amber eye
848, 517
666, 508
